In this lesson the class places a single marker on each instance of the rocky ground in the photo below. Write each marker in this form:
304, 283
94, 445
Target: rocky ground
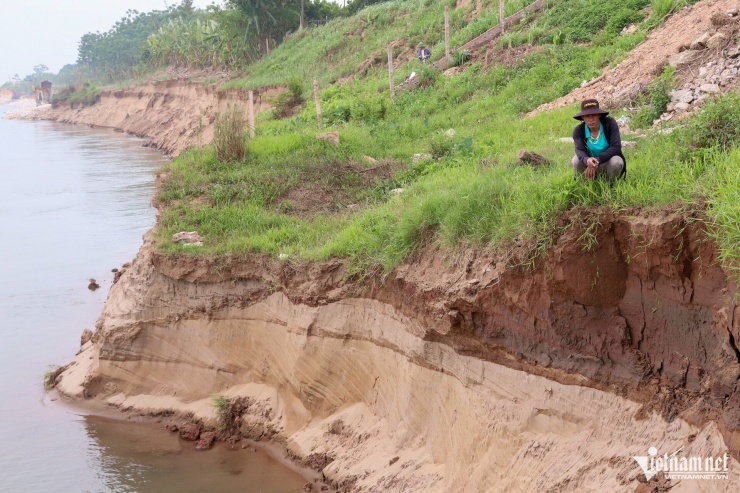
699, 41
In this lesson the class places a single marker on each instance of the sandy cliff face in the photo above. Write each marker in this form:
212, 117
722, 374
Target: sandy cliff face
447, 375
173, 114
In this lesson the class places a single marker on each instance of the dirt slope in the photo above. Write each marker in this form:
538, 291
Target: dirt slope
618, 86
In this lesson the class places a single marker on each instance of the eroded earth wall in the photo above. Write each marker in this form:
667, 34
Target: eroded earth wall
452, 373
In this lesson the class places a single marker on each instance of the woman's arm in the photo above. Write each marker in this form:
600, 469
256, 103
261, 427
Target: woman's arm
579, 139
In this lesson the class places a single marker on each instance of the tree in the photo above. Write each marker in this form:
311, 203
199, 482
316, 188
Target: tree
40, 69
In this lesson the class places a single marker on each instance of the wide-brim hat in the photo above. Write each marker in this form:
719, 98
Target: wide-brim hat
590, 107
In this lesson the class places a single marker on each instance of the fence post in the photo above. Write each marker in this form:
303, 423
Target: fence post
447, 33
390, 72
317, 101
250, 114
501, 14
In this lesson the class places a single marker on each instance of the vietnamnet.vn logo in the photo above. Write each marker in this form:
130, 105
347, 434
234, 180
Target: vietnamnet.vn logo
676, 467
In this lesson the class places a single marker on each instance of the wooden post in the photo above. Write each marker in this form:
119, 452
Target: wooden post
250, 114
501, 14
390, 72
447, 33
267, 45
317, 101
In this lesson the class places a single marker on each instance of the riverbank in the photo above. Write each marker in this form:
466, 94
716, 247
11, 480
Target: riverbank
468, 324
381, 391
173, 423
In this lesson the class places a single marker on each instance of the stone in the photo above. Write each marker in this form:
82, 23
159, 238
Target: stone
421, 157
682, 106
703, 71
702, 97
629, 144
700, 43
206, 440
370, 160
709, 88
682, 96
190, 431
332, 137
629, 93
450, 132
188, 238
93, 285
733, 12
681, 59
718, 41
532, 158
86, 337
568, 140
396, 191
632, 28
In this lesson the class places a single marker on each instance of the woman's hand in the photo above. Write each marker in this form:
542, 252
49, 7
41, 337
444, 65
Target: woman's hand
592, 165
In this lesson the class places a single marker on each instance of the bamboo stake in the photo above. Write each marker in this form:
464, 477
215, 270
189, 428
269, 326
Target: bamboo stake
250, 114
501, 14
317, 101
447, 32
390, 72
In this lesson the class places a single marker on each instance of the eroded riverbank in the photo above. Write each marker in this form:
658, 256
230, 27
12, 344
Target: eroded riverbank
452, 375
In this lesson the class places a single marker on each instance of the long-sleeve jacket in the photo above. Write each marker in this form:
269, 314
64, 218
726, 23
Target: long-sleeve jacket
611, 133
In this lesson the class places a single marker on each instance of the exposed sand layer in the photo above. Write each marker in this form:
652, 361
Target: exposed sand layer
417, 384
173, 114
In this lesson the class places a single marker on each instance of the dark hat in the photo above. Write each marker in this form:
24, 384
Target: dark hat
590, 107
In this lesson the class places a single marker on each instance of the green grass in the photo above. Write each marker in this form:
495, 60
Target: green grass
471, 192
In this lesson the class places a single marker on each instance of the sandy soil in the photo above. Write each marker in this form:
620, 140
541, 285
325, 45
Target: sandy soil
457, 375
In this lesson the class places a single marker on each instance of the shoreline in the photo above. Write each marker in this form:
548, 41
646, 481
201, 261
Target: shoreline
273, 449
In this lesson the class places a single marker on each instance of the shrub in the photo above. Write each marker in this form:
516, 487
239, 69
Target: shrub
655, 102
296, 88
369, 110
428, 76
440, 146
717, 125
51, 375
459, 57
230, 136
85, 94
229, 411
337, 114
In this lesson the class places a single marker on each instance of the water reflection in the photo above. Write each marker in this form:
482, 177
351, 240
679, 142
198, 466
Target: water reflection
143, 458
74, 203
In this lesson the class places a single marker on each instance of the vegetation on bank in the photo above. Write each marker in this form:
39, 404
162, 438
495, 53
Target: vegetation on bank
368, 200
471, 190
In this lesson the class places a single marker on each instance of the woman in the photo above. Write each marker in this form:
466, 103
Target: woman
598, 143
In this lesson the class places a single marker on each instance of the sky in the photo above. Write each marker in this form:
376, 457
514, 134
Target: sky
47, 32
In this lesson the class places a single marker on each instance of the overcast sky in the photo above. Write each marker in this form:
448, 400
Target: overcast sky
34, 32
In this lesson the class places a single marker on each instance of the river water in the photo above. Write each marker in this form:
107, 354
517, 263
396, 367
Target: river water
74, 204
